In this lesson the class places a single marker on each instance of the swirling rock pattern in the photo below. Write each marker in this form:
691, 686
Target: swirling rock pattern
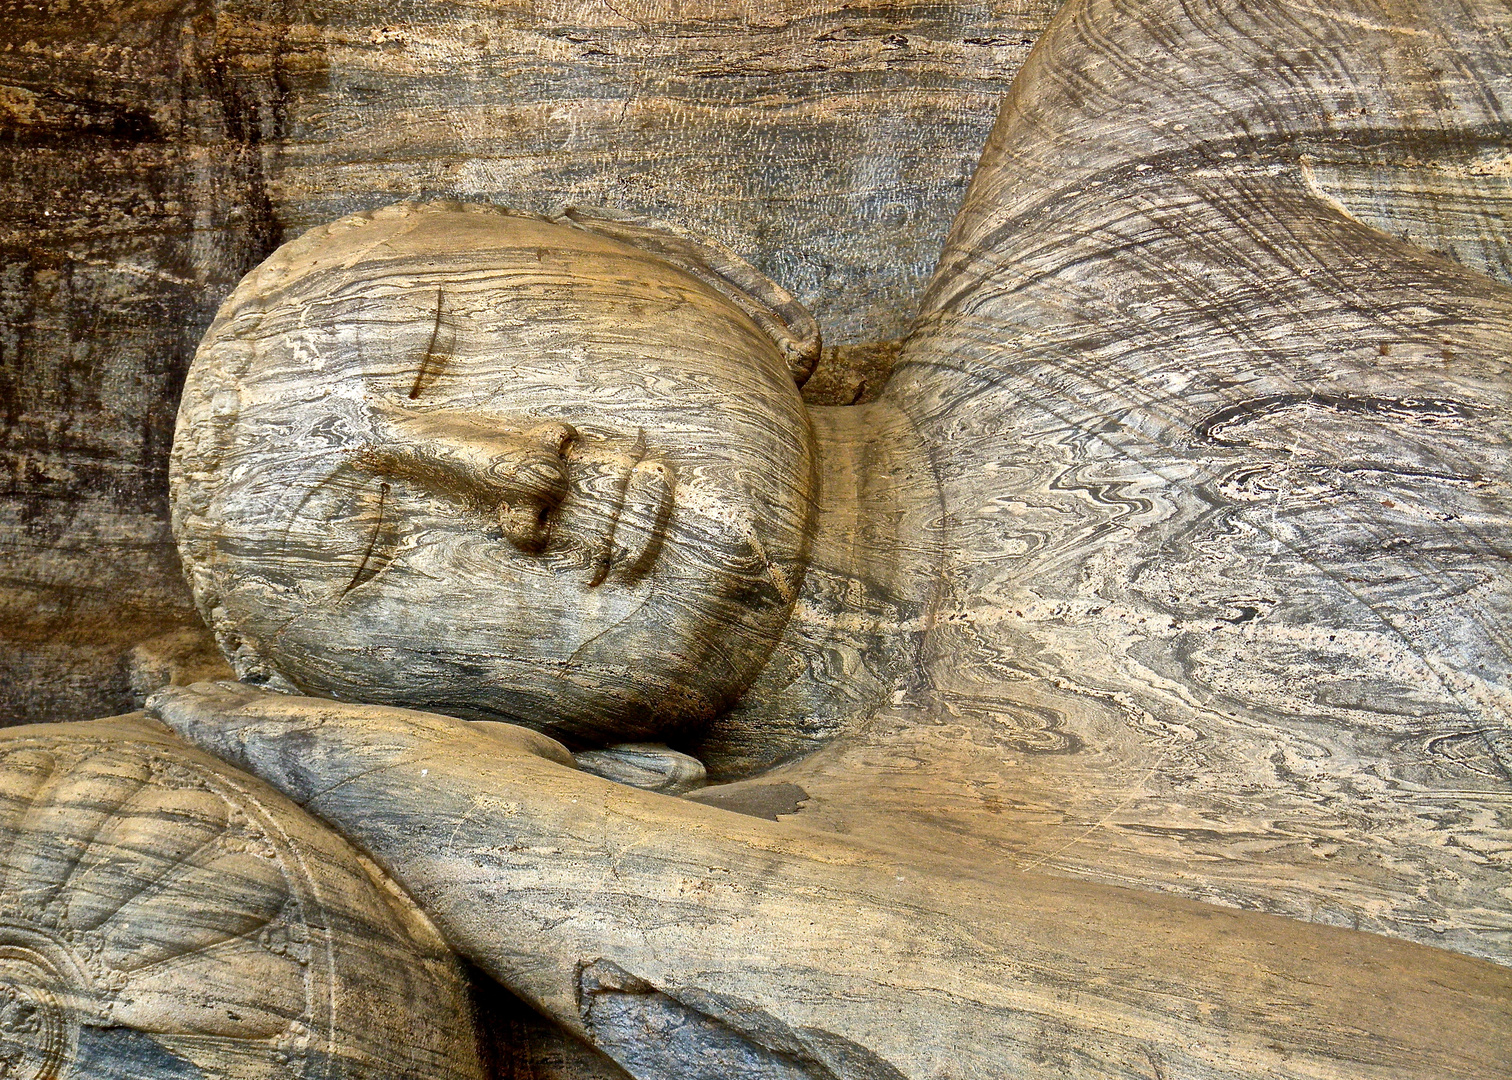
503, 466
157, 151
162, 916
688, 941
1216, 518
1214, 374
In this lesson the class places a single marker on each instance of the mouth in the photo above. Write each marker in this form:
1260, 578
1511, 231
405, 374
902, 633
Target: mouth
637, 526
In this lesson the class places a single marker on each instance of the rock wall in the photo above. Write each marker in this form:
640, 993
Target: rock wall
151, 152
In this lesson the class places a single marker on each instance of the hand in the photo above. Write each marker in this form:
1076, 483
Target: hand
305, 746
611, 909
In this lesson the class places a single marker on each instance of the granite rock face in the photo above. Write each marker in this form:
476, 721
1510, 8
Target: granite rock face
1144, 647
1121, 689
163, 916
155, 152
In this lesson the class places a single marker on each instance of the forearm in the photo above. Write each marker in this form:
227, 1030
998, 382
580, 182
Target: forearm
537, 872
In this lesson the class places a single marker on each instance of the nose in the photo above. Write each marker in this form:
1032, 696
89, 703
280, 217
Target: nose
518, 475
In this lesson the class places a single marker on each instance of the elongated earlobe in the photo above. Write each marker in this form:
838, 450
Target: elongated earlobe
769, 305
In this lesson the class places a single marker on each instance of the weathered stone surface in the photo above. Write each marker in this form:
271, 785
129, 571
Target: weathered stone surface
1101, 681
1226, 597
163, 916
127, 198
686, 940
154, 152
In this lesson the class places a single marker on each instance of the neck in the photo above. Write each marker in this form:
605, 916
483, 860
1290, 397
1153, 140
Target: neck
853, 641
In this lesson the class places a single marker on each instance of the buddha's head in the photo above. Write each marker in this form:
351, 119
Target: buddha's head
556, 472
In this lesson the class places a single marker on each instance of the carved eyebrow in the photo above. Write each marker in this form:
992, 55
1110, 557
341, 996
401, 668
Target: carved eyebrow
432, 361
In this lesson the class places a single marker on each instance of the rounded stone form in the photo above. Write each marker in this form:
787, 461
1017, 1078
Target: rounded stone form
164, 916
450, 457
39, 1040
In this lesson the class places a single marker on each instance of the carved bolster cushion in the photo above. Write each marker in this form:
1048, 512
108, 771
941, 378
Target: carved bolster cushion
164, 916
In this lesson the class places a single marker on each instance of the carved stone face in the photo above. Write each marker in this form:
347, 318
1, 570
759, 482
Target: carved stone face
493, 466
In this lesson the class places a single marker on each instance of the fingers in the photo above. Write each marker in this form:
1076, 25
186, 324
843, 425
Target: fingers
511, 738
529, 869
307, 746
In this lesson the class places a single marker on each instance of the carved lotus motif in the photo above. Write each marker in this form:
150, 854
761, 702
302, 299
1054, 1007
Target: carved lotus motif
163, 916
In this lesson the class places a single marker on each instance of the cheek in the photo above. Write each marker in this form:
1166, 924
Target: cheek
758, 486
446, 591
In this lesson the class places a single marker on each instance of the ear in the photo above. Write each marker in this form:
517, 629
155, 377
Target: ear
772, 307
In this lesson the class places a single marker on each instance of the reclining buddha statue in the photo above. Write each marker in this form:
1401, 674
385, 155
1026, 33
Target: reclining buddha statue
1122, 692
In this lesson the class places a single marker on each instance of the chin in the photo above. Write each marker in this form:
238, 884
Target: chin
585, 709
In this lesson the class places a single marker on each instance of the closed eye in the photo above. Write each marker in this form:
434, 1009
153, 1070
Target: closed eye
437, 350
376, 554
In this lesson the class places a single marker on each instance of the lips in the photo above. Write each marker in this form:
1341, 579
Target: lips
642, 506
